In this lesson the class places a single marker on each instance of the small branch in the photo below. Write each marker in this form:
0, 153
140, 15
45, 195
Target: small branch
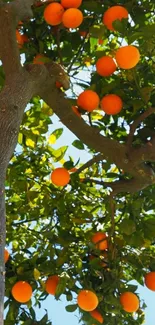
135, 124
112, 247
89, 163
129, 186
58, 45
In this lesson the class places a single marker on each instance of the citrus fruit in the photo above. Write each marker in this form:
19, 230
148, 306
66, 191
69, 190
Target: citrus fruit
58, 84
53, 13
129, 302
60, 176
71, 3
88, 100
51, 284
72, 18
105, 66
76, 111
22, 291
6, 255
150, 280
87, 300
99, 238
39, 59
112, 14
127, 57
111, 104
97, 315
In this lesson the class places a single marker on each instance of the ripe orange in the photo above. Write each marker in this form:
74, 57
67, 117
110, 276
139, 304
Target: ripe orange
51, 284
112, 14
97, 315
100, 240
71, 3
39, 59
21, 38
22, 291
76, 111
53, 13
100, 41
6, 255
60, 176
105, 66
83, 33
73, 170
72, 18
129, 302
150, 280
58, 84
87, 300
88, 100
127, 57
111, 104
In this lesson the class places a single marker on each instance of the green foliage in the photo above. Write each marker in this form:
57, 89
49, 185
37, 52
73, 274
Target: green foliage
49, 229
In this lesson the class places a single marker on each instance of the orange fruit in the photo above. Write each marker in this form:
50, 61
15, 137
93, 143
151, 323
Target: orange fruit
129, 302
71, 3
39, 59
97, 315
72, 18
76, 111
88, 100
53, 13
100, 240
111, 104
22, 291
21, 38
100, 41
83, 33
127, 57
58, 84
73, 170
105, 66
6, 255
60, 176
87, 300
112, 14
51, 284
150, 280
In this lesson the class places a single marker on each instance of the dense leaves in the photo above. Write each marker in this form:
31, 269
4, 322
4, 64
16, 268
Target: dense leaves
49, 229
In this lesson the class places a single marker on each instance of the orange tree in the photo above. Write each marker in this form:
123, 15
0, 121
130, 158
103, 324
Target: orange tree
52, 230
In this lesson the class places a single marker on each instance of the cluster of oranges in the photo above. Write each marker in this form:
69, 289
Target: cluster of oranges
66, 12
87, 300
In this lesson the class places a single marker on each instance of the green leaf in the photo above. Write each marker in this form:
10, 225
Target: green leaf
78, 144
71, 308
127, 227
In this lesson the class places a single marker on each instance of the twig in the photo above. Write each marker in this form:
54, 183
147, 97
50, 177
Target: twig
58, 45
134, 125
89, 163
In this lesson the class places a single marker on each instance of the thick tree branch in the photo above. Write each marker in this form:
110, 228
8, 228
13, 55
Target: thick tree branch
9, 52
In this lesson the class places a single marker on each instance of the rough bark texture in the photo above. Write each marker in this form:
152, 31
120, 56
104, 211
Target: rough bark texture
21, 84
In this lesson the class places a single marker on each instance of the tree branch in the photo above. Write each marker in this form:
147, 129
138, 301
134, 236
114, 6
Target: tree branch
135, 124
89, 163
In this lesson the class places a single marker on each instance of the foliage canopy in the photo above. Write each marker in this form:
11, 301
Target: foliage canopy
49, 228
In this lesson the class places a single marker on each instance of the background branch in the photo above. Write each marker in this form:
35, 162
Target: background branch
89, 163
135, 124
